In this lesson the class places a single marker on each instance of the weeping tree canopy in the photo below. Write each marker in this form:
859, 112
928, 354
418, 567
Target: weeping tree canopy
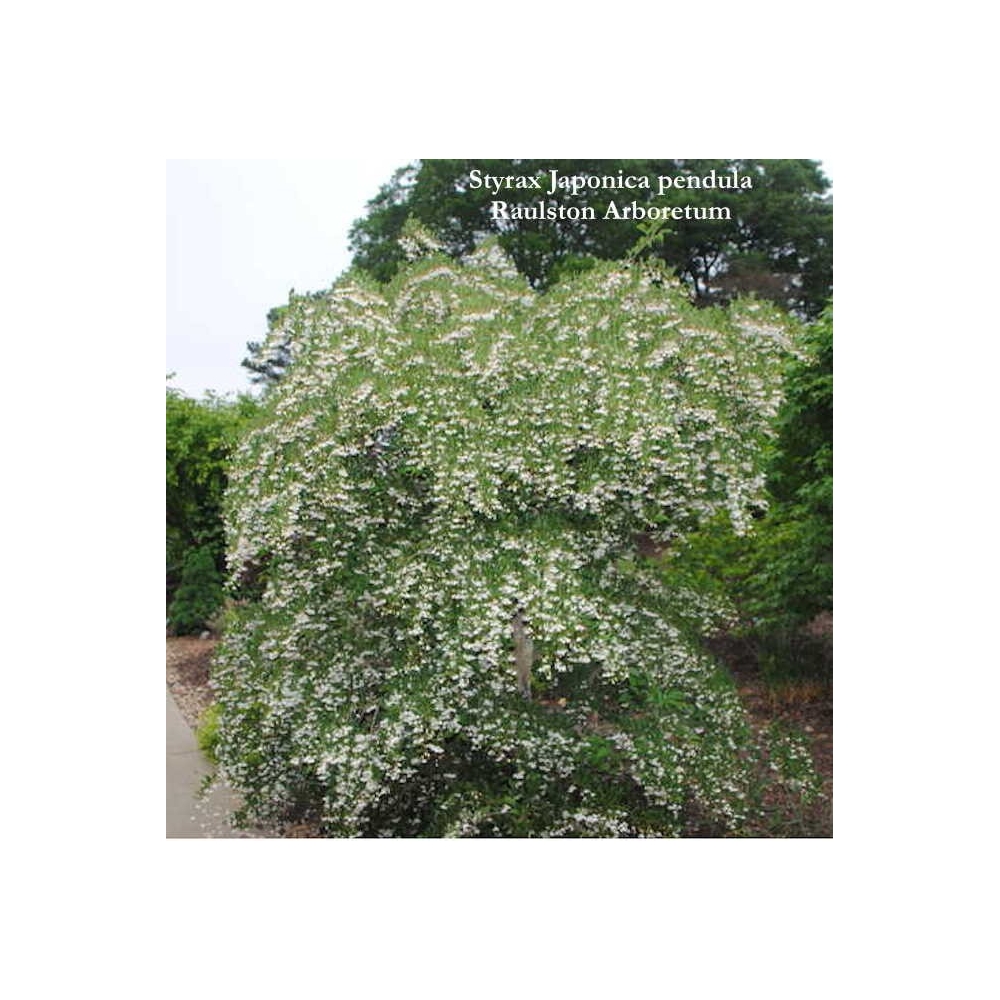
446, 628
776, 240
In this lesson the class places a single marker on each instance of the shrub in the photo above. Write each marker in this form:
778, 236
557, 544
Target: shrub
785, 655
779, 575
199, 595
200, 436
447, 630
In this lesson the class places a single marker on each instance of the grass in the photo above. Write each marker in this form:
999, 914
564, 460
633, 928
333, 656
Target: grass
207, 733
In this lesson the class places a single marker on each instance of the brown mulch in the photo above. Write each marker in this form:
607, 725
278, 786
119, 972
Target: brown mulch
804, 707
188, 662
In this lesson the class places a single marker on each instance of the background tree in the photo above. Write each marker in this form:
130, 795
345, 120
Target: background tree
800, 566
267, 359
200, 436
779, 576
777, 244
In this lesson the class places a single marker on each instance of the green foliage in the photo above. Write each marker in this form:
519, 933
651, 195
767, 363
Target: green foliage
779, 576
794, 561
199, 595
802, 469
791, 654
267, 360
207, 733
200, 436
777, 244
451, 455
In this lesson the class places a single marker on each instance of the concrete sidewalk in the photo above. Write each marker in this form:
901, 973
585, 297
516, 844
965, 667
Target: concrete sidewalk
188, 813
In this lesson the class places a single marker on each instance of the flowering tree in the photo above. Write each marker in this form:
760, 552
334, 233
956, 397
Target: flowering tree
446, 627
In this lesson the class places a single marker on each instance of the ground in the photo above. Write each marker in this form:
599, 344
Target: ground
188, 661
804, 707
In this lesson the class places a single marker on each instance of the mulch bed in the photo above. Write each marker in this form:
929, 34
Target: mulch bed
188, 662
805, 707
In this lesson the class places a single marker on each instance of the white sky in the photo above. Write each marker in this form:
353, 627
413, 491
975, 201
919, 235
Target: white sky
240, 234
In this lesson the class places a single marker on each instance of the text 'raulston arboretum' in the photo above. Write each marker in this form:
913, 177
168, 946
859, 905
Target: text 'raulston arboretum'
575, 183
552, 210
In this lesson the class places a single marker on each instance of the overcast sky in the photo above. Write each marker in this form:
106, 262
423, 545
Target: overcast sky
240, 234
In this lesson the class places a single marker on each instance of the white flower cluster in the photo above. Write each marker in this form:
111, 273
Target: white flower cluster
442, 456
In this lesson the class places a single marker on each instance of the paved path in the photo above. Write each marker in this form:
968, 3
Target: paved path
188, 813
